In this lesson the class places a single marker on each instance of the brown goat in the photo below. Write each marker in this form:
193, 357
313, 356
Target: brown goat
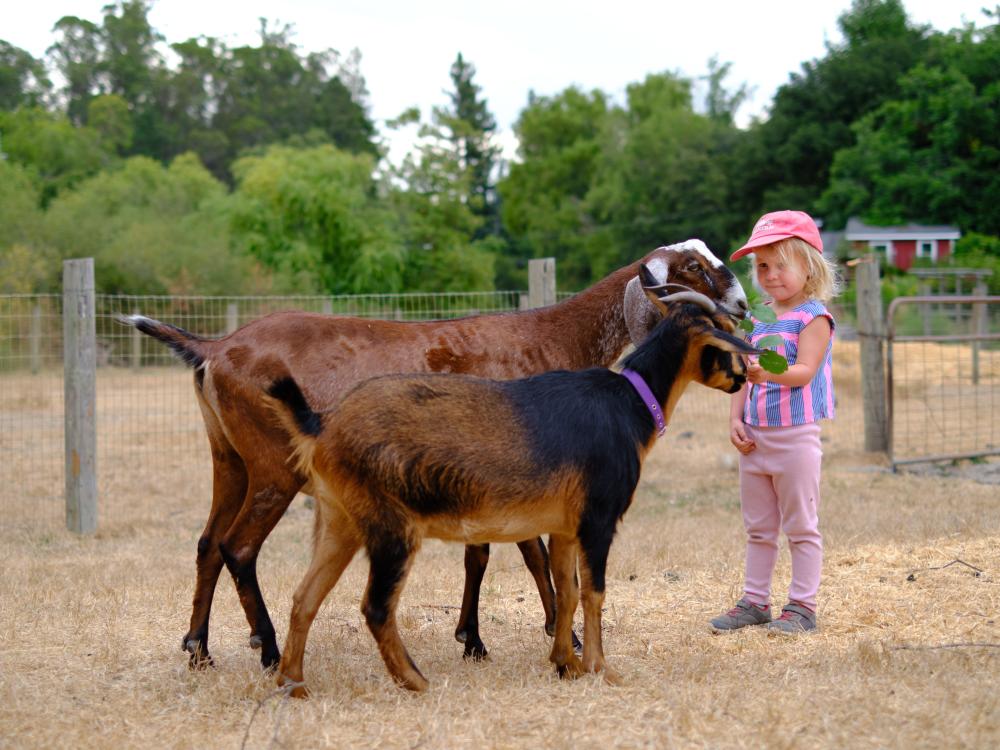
407, 457
253, 479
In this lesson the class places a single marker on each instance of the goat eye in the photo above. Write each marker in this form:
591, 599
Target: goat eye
693, 266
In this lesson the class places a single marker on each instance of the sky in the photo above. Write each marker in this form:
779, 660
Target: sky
407, 46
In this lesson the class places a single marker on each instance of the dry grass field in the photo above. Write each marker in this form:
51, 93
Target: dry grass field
908, 654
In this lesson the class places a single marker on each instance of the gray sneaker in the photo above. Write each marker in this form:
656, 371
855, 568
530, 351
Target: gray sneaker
743, 614
794, 619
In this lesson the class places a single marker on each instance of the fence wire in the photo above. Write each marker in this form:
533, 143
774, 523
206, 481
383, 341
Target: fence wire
32, 454
149, 427
150, 430
944, 379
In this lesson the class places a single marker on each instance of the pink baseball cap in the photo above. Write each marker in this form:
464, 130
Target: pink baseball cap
780, 225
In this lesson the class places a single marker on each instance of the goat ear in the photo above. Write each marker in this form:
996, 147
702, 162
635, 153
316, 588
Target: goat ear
641, 309
646, 277
729, 343
651, 287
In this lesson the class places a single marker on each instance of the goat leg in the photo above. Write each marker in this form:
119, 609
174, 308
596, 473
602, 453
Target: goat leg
334, 548
262, 509
562, 551
593, 600
390, 556
536, 558
229, 486
477, 556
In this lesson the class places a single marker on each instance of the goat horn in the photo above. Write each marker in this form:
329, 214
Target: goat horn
667, 286
690, 296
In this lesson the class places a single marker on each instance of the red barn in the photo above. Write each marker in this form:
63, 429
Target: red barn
901, 245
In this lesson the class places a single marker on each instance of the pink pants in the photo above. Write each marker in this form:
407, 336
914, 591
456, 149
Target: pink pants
779, 491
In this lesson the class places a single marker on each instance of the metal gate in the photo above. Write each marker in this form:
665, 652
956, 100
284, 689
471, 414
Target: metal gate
943, 378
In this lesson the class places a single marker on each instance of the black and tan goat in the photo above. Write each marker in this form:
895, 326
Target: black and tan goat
253, 479
465, 459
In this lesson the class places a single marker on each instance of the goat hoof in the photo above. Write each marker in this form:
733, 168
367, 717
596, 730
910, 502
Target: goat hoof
296, 689
269, 659
572, 669
475, 651
198, 656
256, 641
416, 683
611, 676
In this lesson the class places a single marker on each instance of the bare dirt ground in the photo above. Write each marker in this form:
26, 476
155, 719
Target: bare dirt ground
907, 655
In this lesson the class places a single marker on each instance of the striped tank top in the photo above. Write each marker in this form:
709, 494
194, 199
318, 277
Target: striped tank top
773, 405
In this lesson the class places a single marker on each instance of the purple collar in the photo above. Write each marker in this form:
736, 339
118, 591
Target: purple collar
648, 398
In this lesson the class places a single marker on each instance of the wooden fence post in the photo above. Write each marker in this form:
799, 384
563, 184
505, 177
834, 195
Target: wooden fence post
871, 330
35, 337
541, 282
80, 383
980, 323
232, 317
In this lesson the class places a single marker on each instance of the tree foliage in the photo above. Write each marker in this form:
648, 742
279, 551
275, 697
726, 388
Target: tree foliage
932, 151
209, 168
312, 217
787, 158
151, 230
543, 196
24, 81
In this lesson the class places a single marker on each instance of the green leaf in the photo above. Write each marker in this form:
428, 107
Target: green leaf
747, 325
773, 362
764, 313
768, 342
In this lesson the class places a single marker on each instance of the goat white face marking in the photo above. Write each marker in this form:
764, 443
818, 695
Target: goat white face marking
699, 247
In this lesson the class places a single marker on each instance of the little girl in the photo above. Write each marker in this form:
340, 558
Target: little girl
774, 422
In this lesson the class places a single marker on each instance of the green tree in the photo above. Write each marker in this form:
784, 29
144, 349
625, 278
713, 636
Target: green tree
542, 197
429, 195
219, 102
660, 178
785, 161
23, 80
932, 153
472, 128
108, 116
188, 111
270, 93
49, 147
129, 58
22, 254
77, 54
152, 230
312, 217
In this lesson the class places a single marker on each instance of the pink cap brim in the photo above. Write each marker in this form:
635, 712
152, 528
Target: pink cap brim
759, 242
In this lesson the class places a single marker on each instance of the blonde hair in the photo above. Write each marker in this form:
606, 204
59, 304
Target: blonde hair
823, 281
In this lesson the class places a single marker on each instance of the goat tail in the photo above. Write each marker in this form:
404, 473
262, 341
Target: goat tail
298, 418
192, 349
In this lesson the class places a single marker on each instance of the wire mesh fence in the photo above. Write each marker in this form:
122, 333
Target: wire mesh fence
31, 406
944, 378
148, 422
150, 431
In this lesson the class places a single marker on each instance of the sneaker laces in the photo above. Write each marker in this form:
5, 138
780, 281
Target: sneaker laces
740, 609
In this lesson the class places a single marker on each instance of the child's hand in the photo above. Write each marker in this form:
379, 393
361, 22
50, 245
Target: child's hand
756, 374
738, 437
